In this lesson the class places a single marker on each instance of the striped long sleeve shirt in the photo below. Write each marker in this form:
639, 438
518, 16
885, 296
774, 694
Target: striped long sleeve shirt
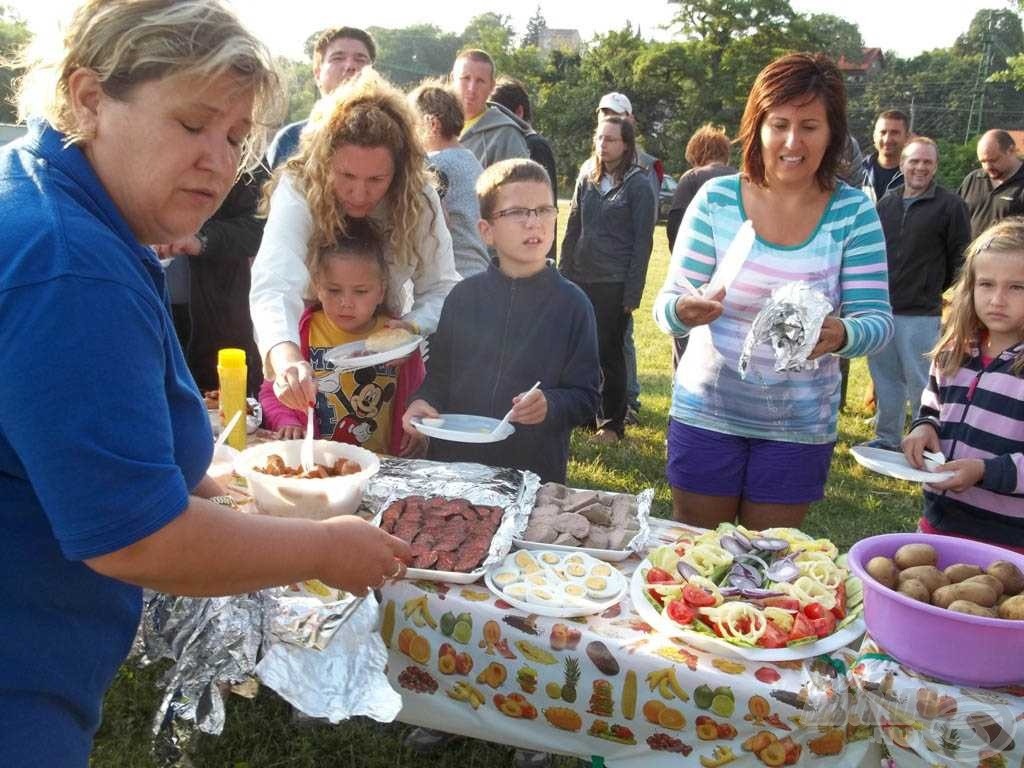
979, 414
844, 258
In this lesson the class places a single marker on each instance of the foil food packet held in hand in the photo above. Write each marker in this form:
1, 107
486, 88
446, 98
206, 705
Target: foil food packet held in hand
790, 322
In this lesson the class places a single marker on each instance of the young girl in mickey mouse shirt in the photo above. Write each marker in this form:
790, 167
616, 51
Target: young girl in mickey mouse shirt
361, 407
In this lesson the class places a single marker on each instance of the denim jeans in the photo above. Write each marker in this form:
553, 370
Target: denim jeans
900, 373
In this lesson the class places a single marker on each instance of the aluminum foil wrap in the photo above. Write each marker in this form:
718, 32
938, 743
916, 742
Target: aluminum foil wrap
790, 322
326, 658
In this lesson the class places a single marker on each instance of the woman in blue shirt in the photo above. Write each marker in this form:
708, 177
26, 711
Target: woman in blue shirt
138, 128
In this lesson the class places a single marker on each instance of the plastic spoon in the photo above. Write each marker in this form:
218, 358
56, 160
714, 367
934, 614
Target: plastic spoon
306, 452
936, 457
504, 422
733, 258
223, 436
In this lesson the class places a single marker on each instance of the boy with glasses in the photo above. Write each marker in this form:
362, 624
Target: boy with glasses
506, 328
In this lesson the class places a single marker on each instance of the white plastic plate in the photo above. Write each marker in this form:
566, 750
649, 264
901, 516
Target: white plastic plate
566, 611
895, 464
717, 645
464, 428
350, 357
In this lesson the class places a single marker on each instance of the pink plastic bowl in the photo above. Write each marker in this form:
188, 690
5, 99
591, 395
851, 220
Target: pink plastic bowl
954, 647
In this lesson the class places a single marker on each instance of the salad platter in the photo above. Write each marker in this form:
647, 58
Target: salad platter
774, 595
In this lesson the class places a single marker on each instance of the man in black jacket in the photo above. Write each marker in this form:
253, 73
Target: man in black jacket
926, 230
996, 190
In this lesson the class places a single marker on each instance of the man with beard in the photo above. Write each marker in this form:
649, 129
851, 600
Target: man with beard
996, 191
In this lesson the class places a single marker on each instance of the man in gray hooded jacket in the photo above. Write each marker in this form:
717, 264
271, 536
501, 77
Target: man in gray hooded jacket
490, 133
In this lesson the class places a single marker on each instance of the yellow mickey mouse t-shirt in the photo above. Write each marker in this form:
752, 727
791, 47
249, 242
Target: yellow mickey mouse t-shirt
355, 406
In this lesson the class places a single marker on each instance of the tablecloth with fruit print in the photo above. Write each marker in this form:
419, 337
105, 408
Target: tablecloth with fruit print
469, 663
925, 722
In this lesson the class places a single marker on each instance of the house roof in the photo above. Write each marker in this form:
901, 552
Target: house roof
870, 56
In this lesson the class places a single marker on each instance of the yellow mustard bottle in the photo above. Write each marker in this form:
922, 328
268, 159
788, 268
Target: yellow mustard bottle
231, 370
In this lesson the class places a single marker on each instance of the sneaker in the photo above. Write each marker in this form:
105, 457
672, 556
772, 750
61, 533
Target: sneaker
877, 443
524, 758
632, 417
425, 741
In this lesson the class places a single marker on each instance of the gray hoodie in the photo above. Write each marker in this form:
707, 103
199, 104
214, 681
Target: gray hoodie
495, 137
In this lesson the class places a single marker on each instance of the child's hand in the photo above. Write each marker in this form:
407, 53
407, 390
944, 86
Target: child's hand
290, 433
413, 446
922, 438
529, 409
294, 385
417, 409
968, 472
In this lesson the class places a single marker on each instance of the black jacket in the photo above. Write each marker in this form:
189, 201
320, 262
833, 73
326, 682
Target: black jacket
924, 247
987, 204
219, 286
497, 336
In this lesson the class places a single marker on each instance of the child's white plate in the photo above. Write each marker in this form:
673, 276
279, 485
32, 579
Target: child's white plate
464, 428
895, 464
352, 356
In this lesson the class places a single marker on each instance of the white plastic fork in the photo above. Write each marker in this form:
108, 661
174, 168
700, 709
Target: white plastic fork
306, 452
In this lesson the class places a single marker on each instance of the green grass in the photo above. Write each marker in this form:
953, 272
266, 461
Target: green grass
260, 733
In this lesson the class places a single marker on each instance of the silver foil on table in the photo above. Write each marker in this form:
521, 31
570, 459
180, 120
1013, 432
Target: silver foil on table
790, 322
644, 500
325, 658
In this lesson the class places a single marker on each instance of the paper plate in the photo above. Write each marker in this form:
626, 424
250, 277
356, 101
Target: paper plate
895, 464
352, 356
464, 428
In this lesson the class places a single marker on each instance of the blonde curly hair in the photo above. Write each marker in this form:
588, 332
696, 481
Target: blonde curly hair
367, 111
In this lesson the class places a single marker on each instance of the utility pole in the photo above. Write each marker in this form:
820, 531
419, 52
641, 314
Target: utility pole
975, 124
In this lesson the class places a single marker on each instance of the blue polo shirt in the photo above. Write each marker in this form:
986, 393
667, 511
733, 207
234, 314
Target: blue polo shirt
102, 434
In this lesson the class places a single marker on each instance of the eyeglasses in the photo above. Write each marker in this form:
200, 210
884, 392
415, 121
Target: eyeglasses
522, 215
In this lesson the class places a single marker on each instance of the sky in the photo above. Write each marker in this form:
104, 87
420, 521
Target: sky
905, 26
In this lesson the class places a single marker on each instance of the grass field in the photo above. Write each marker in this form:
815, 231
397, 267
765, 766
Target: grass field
260, 733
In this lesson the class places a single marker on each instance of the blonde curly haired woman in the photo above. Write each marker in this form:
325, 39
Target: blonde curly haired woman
139, 123
359, 157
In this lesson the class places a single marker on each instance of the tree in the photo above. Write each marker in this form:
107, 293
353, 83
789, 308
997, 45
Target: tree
14, 35
831, 35
410, 54
1001, 29
491, 32
534, 26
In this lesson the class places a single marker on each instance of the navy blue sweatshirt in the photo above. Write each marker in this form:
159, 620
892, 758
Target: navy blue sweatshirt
499, 335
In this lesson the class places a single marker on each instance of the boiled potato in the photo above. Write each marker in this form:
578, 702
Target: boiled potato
928, 575
1012, 608
971, 591
1009, 574
990, 581
911, 555
915, 589
961, 572
884, 571
973, 609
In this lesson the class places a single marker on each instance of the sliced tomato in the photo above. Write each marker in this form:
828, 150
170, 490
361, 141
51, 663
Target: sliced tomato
785, 603
802, 627
824, 626
839, 610
680, 612
659, 576
697, 597
656, 596
773, 637
814, 611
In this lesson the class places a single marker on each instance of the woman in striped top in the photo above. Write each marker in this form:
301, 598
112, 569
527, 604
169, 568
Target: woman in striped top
758, 448
973, 407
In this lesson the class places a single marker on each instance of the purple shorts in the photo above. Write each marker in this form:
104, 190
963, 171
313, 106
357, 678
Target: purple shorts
761, 471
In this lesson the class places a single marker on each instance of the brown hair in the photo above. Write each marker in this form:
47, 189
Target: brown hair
962, 326
709, 144
360, 243
435, 99
366, 111
328, 36
475, 54
895, 114
510, 93
800, 78
628, 157
498, 175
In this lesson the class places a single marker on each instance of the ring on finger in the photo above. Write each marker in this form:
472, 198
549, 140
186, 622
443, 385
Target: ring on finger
381, 583
398, 570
